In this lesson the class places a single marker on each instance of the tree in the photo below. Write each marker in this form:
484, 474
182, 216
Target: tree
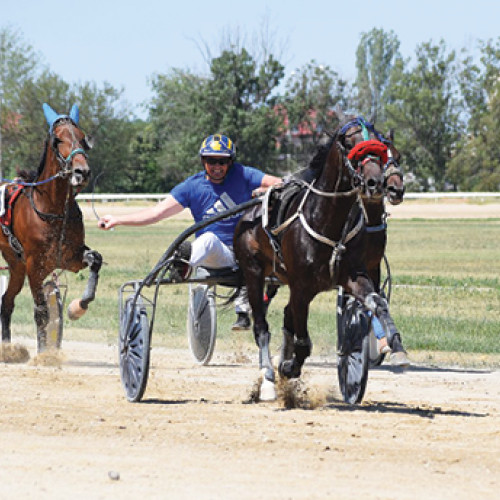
175, 114
307, 109
424, 109
476, 161
376, 55
234, 99
17, 66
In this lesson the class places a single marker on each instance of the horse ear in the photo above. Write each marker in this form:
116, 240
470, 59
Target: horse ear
74, 114
50, 114
391, 134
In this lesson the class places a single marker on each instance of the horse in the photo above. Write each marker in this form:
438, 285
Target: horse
322, 245
45, 231
355, 131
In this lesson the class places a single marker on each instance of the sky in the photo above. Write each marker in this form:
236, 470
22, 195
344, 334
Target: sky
126, 42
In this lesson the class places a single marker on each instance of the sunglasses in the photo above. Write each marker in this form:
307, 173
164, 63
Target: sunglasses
218, 161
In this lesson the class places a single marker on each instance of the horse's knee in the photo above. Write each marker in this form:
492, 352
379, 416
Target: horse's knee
262, 337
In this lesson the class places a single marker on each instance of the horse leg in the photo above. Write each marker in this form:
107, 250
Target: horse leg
16, 281
41, 312
287, 348
255, 288
271, 291
380, 308
291, 365
78, 307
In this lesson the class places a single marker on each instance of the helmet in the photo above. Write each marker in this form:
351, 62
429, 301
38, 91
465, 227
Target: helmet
218, 145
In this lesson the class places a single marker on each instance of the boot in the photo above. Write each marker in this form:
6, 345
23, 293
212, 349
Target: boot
242, 322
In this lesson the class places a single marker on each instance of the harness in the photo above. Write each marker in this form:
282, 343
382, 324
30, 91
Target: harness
9, 195
368, 149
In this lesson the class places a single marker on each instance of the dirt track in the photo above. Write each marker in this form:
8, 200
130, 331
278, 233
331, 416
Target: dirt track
67, 430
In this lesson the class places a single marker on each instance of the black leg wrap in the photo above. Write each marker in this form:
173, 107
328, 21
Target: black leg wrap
303, 348
89, 293
287, 349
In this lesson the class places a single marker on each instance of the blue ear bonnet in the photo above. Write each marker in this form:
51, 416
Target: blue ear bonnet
366, 127
52, 117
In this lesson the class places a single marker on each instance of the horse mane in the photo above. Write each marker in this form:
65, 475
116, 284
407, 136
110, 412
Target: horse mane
316, 164
32, 175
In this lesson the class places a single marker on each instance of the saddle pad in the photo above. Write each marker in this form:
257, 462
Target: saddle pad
8, 195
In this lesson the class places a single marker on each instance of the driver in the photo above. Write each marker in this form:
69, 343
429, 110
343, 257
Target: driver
221, 185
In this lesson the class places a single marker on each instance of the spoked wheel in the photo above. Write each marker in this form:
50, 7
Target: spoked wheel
55, 309
353, 349
202, 323
134, 345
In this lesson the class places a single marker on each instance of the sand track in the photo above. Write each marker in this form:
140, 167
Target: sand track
67, 431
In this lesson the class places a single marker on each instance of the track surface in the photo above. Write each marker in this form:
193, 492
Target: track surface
68, 432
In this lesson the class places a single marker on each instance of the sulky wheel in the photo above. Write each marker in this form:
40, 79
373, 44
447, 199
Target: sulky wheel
353, 349
134, 344
202, 323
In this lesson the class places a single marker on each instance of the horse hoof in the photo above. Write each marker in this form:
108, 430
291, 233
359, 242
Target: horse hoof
267, 391
75, 310
400, 359
289, 369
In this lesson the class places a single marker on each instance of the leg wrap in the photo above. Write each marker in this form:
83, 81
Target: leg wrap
89, 293
303, 348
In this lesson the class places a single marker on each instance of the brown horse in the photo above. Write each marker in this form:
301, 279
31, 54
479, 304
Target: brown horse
355, 131
46, 230
320, 244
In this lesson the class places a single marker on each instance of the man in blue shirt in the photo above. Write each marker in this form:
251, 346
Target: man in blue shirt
222, 184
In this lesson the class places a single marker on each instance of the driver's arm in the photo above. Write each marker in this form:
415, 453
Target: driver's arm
162, 210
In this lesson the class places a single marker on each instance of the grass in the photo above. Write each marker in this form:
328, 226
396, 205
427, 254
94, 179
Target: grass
445, 296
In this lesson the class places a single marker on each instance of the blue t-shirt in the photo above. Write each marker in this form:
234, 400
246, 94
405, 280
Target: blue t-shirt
205, 198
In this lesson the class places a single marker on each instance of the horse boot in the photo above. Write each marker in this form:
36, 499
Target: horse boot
78, 307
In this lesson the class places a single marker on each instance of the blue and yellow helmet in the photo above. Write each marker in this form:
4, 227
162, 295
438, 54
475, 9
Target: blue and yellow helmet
218, 145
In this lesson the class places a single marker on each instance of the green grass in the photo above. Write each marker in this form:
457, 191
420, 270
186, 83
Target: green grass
445, 296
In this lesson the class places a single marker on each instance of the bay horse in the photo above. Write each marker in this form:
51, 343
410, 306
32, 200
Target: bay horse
46, 230
322, 245
357, 131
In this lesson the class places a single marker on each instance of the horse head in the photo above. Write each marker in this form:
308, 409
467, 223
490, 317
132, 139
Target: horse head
366, 148
394, 183
70, 145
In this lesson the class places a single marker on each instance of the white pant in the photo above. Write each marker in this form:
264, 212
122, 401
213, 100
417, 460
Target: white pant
209, 251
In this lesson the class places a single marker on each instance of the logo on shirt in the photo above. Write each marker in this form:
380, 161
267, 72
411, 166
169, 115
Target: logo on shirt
221, 205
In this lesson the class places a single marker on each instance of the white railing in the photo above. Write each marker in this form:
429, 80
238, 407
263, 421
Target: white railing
154, 196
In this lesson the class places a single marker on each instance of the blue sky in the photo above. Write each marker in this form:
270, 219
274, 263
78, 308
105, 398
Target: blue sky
124, 42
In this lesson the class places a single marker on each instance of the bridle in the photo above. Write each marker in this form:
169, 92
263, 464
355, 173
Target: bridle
64, 172
389, 164
66, 163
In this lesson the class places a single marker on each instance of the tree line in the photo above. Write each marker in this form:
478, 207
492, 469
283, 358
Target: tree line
443, 106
